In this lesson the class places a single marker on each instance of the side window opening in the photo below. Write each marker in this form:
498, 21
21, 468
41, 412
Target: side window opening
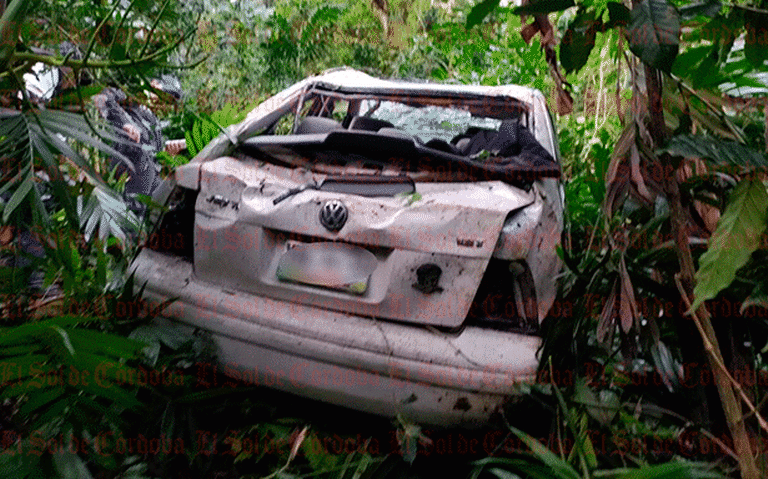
320, 110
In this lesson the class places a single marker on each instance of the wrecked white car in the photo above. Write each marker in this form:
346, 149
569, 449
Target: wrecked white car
382, 245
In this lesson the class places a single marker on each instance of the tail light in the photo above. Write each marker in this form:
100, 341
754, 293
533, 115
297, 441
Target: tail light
175, 231
506, 298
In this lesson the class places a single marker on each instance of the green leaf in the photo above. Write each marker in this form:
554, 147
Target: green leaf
104, 343
480, 11
578, 41
756, 299
23, 366
755, 48
198, 130
543, 6
170, 335
109, 413
118, 52
686, 62
70, 466
739, 233
603, 407
723, 153
529, 467
30, 386
117, 394
13, 465
669, 470
618, 15
654, 33
39, 399
61, 334
32, 135
36, 330
10, 25
190, 143
585, 443
560, 468
323, 17
502, 474
53, 413
318, 457
103, 208
19, 195
74, 126
700, 67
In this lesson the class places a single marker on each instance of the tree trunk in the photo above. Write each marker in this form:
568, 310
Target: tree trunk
731, 404
381, 10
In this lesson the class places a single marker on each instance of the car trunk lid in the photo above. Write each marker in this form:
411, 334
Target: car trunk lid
415, 257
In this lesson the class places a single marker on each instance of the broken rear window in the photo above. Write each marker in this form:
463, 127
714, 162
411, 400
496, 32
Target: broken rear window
429, 122
470, 134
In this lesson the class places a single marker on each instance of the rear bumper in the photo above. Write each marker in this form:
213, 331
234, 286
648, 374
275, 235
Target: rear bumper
375, 366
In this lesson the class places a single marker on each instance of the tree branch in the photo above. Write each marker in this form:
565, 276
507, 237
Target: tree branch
710, 349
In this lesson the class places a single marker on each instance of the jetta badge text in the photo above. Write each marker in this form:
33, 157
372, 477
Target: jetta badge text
333, 215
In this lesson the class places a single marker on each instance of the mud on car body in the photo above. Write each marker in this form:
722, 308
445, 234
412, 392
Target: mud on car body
382, 245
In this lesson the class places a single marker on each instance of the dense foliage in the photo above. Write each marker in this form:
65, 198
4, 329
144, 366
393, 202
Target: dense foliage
654, 357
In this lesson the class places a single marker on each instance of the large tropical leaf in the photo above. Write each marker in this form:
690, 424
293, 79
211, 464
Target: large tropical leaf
739, 233
69, 364
654, 33
480, 11
578, 41
36, 141
107, 211
721, 153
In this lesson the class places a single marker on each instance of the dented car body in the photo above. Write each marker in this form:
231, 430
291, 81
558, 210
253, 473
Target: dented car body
382, 245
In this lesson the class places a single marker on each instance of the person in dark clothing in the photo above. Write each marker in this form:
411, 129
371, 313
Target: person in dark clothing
140, 138
513, 146
513, 142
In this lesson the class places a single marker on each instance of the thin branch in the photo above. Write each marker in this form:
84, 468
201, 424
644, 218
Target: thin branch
294, 449
720, 443
85, 112
153, 28
26, 102
759, 406
186, 66
101, 25
120, 26
711, 350
55, 61
24, 67
719, 113
748, 8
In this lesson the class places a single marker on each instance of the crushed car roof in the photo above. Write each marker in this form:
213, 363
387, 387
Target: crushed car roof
342, 79
350, 78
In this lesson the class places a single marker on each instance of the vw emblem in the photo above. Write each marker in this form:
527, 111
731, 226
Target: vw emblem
333, 215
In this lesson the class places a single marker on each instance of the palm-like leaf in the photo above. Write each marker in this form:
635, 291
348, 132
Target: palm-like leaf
39, 139
108, 212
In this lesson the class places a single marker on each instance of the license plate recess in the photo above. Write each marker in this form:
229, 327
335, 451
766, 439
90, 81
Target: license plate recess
337, 266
